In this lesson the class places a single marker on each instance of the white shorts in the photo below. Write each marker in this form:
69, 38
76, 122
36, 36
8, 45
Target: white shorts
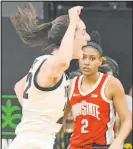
33, 140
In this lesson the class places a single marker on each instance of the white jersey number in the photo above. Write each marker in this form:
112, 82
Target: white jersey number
85, 125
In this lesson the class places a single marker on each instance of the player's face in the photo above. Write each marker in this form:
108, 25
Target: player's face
81, 38
90, 62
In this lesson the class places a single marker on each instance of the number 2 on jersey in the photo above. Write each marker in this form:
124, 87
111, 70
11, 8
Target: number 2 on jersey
29, 77
84, 126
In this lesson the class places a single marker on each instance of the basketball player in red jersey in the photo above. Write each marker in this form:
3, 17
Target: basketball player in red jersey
95, 98
110, 66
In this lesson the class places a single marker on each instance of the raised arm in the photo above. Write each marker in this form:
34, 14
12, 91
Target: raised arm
60, 32
56, 64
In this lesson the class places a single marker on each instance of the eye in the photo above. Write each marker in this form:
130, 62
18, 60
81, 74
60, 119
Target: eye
84, 57
92, 58
84, 32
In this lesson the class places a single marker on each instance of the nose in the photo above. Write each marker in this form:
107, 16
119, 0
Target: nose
87, 62
88, 37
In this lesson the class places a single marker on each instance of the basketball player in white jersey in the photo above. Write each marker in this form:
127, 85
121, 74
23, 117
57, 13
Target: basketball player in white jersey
42, 93
106, 93
110, 66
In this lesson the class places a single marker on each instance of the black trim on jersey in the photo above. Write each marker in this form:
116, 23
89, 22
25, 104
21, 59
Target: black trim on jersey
46, 88
67, 75
101, 146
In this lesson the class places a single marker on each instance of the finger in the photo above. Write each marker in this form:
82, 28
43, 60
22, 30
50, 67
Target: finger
79, 8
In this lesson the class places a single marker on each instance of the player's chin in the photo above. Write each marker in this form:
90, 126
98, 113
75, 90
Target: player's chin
86, 72
79, 57
76, 57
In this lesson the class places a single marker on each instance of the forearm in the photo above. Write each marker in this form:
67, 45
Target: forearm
56, 65
67, 44
65, 118
67, 110
124, 131
66, 115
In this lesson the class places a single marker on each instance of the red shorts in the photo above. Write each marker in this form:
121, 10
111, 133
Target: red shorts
88, 147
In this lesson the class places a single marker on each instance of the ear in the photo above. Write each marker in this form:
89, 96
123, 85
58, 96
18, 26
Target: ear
101, 60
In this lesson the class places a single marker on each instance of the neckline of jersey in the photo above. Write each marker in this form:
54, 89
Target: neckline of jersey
89, 90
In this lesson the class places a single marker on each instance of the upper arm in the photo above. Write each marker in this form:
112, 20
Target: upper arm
119, 100
21, 83
19, 89
54, 66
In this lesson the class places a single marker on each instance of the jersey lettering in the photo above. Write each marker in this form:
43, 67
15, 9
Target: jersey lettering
29, 77
86, 108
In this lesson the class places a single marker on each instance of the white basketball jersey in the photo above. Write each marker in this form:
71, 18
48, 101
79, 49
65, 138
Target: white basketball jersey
42, 107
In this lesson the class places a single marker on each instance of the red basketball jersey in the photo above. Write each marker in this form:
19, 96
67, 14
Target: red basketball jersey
93, 113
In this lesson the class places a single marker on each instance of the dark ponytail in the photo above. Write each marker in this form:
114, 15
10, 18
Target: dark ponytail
28, 28
46, 35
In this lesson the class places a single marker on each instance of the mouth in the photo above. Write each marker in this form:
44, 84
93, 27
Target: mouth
86, 69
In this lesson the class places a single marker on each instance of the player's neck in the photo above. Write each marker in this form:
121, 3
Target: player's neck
55, 51
91, 78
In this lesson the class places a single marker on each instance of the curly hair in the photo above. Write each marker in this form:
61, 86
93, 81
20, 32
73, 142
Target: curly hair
35, 34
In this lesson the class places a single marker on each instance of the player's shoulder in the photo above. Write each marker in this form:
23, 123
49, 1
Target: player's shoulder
38, 61
113, 81
114, 85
